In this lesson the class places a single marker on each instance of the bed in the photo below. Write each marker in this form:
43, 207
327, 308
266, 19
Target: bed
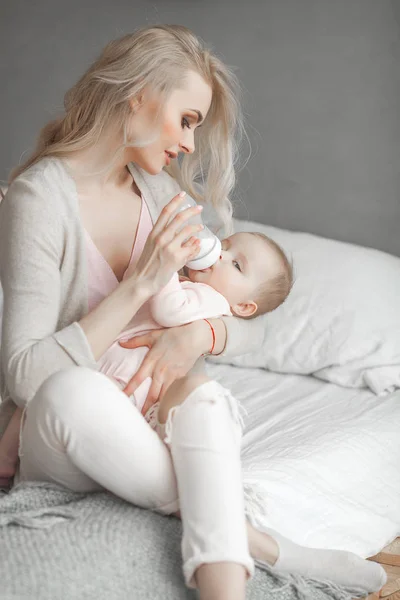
316, 456
321, 449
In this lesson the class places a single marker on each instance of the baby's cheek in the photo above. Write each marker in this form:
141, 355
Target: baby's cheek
236, 291
221, 284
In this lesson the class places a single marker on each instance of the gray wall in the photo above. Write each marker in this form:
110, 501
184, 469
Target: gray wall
321, 81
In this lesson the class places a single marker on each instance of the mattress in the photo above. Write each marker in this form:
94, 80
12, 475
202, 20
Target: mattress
321, 463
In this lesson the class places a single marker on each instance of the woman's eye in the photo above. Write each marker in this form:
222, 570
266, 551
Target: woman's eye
185, 123
237, 266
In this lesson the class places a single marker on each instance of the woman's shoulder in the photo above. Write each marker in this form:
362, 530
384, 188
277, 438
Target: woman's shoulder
46, 173
43, 184
36, 212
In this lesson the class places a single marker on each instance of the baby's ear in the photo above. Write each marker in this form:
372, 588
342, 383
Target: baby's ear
244, 309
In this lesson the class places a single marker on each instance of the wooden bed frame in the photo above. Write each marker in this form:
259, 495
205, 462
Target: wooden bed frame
389, 558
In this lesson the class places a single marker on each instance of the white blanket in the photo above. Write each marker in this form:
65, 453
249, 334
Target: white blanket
325, 460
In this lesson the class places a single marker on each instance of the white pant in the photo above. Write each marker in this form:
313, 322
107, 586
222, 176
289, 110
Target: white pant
82, 431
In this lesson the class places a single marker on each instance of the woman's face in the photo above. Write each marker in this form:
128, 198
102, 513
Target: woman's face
184, 111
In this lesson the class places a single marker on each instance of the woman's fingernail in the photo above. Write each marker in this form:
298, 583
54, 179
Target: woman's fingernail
182, 194
199, 207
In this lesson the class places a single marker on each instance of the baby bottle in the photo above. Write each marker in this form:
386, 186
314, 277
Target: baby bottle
210, 245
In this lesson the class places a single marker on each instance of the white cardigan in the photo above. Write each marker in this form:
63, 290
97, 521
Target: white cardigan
44, 279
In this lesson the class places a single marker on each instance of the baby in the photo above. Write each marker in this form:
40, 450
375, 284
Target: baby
252, 276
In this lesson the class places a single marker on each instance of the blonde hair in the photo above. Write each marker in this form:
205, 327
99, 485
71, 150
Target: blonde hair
160, 57
272, 292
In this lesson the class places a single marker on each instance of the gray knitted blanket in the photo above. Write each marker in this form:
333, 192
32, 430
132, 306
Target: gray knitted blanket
61, 545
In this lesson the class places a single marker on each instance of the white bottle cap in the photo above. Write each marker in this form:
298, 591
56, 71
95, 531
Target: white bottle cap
206, 260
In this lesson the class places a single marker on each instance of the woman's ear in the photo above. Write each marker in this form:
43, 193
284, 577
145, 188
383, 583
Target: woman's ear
244, 309
135, 103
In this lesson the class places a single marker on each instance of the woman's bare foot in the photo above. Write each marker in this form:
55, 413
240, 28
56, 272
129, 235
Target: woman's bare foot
262, 546
8, 467
7, 470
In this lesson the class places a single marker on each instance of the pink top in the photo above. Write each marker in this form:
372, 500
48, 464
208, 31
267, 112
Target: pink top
102, 279
176, 304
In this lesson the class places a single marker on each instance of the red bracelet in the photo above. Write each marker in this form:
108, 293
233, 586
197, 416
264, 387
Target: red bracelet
213, 336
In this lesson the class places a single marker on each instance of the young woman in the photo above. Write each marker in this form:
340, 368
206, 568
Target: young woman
150, 97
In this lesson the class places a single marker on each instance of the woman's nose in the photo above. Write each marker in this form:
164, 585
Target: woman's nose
188, 145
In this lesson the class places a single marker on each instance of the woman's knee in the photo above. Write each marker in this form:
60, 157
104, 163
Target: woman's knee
201, 403
71, 390
209, 414
178, 391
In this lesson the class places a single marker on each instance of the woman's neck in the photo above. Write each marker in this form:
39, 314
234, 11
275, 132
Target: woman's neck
100, 166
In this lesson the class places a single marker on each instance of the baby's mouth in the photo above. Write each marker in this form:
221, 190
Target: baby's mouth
191, 273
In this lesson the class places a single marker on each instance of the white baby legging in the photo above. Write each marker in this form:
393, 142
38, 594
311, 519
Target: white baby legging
82, 431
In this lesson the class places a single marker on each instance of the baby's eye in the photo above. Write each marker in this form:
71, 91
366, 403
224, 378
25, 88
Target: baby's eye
185, 123
237, 266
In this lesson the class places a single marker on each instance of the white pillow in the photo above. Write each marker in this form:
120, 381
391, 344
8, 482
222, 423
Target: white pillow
341, 321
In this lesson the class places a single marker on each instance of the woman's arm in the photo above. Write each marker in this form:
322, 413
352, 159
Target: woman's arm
31, 251
175, 351
233, 336
164, 252
242, 336
105, 322
31, 248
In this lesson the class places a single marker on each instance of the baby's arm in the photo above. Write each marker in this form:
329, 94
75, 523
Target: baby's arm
9, 447
183, 302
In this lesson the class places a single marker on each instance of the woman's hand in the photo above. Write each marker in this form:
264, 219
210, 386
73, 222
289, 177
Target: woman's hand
166, 250
173, 352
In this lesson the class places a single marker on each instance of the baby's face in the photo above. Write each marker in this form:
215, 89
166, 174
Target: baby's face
245, 261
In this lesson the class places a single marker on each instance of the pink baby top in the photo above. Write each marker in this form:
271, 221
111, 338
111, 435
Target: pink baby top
176, 304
